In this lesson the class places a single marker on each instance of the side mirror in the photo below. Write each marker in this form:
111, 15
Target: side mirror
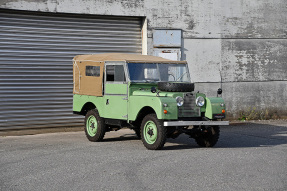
153, 89
219, 91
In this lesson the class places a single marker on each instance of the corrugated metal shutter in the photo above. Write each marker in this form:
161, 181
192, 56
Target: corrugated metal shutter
36, 51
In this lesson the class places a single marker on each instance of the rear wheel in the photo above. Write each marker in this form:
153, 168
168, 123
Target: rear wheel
153, 133
208, 137
94, 126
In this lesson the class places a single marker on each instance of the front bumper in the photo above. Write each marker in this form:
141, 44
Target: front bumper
189, 123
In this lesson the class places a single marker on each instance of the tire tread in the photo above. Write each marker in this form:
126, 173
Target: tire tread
101, 126
162, 132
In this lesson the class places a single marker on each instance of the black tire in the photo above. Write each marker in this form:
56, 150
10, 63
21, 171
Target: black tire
95, 128
208, 137
138, 133
153, 133
175, 86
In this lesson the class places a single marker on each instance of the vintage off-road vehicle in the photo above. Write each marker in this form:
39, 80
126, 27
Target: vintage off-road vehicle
151, 95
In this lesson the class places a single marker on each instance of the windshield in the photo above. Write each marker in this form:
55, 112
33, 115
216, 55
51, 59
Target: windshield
147, 72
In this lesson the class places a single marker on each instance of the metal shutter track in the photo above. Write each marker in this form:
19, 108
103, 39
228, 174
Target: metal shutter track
36, 51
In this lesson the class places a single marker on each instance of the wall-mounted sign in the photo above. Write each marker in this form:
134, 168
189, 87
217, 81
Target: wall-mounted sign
167, 38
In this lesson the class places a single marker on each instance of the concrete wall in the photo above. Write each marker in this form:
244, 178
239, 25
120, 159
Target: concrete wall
241, 42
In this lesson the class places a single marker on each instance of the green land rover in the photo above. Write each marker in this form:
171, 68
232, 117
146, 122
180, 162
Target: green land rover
151, 95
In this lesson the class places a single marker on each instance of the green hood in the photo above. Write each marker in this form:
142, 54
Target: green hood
161, 94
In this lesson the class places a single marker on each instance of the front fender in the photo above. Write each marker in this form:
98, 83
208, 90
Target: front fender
214, 108
136, 103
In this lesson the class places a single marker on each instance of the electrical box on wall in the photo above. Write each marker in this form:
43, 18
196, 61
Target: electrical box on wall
167, 43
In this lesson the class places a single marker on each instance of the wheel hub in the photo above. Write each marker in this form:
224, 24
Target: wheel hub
150, 132
92, 125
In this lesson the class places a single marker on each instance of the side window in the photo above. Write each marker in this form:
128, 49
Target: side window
115, 73
93, 71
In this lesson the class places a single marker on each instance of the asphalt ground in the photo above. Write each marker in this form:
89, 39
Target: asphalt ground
250, 156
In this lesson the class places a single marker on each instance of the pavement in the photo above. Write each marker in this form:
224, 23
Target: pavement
248, 156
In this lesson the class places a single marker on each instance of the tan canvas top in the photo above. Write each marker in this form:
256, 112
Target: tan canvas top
123, 57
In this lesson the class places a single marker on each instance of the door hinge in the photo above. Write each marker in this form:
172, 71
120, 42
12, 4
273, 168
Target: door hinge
125, 98
125, 116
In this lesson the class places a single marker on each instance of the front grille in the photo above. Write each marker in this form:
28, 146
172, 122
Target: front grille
189, 108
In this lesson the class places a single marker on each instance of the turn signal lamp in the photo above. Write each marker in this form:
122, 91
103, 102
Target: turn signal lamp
165, 111
223, 111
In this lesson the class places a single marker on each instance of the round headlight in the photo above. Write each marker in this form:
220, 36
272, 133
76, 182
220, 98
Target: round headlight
200, 101
179, 101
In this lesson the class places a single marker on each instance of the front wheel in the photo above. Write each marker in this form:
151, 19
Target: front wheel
153, 133
94, 126
208, 137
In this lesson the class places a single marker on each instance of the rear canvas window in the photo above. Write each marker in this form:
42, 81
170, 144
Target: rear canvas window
93, 71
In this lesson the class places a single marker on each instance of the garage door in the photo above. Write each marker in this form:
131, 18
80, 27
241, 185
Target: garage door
36, 52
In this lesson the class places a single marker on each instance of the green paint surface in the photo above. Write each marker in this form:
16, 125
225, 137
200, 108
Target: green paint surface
213, 106
129, 99
150, 132
116, 107
92, 125
137, 103
116, 88
80, 100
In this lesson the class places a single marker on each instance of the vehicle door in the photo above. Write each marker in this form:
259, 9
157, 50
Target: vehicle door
116, 91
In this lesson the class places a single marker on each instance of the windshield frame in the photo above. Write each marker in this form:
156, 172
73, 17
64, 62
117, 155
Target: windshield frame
157, 66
